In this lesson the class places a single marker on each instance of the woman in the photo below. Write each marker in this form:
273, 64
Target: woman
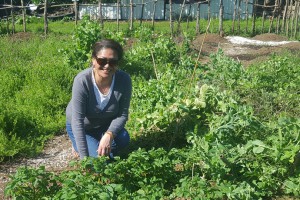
98, 110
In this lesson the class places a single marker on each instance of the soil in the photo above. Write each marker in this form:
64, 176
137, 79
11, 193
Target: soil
246, 54
57, 152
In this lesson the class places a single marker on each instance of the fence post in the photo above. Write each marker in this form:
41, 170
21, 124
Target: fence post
23, 15
45, 17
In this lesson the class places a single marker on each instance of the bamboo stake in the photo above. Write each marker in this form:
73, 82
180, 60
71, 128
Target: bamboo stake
289, 18
142, 13
239, 16
188, 18
284, 15
153, 14
278, 16
263, 17
198, 58
197, 19
208, 10
233, 17
12, 17
247, 13
118, 11
23, 16
131, 15
46, 18
171, 22
221, 33
297, 8
179, 20
272, 18
100, 14
254, 18
7, 22
293, 18
76, 12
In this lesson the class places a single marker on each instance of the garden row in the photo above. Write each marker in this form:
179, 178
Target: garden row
210, 131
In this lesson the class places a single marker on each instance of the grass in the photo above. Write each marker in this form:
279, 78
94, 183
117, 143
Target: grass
242, 28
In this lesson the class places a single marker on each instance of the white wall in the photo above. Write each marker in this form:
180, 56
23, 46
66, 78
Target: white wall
109, 11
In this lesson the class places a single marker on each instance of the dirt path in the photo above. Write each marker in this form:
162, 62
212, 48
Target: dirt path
57, 152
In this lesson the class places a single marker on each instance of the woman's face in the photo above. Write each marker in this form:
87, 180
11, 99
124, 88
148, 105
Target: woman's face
105, 65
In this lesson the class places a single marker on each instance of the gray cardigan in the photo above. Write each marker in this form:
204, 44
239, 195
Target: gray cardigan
83, 111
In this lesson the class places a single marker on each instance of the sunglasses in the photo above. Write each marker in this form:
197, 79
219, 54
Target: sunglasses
105, 61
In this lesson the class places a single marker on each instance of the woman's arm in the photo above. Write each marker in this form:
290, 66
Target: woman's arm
79, 101
119, 122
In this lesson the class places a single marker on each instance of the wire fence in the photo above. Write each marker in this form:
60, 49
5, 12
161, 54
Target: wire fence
281, 17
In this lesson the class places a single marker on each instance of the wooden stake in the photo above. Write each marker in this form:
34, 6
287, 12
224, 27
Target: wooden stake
171, 22
197, 19
153, 14
263, 17
297, 9
254, 17
100, 14
221, 33
45, 17
23, 15
233, 17
12, 17
142, 13
131, 15
118, 13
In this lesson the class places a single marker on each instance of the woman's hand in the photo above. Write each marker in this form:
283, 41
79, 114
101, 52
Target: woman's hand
104, 148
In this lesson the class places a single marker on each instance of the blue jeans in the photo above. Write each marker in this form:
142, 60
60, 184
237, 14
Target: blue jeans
93, 139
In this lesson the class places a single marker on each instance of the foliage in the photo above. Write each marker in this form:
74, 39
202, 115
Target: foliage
34, 92
206, 133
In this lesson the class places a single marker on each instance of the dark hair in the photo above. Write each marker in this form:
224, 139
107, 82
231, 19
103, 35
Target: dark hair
110, 44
